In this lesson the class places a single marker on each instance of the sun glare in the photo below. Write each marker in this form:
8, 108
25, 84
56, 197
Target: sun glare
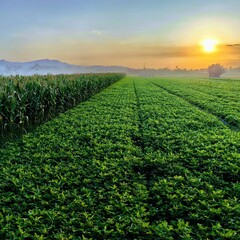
209, 45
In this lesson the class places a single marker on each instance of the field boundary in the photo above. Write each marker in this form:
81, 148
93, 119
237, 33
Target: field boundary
227, 124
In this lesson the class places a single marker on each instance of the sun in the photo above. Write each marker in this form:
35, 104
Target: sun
209, 45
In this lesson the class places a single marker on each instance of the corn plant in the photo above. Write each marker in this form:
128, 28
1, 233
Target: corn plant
27, 101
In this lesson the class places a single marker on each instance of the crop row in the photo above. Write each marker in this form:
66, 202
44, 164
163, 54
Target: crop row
72, 178
191, 164
223, 102
132, 162
31, 100
222, 88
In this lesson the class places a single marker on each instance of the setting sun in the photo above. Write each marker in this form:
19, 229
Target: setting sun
209, 45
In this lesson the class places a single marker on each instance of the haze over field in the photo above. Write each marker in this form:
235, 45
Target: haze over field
166, 33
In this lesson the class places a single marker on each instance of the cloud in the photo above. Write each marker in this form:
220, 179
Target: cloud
94, 32
233, 45
160, 51
229, 50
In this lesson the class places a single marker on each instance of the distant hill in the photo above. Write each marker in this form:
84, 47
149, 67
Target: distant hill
46, 66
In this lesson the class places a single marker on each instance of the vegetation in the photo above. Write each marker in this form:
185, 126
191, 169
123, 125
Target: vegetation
25, 101
133, 162
219, 97
215, 70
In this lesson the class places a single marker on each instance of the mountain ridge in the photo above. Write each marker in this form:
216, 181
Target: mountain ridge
53, 66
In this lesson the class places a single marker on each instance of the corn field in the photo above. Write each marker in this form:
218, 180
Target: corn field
30, 100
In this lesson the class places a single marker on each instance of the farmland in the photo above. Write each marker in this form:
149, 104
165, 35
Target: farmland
142, 159
220, 97
28, 101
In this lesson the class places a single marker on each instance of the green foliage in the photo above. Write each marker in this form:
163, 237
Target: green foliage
25, 101
215, 70
219, 97
132, 162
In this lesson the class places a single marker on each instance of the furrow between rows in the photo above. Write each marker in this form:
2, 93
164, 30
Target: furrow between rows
193, 103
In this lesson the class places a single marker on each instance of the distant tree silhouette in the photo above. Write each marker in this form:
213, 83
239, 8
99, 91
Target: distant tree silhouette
215, 70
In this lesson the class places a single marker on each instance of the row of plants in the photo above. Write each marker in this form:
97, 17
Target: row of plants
218, 87
222, 100
132, 162
191, 165
30, 100
225, 89
73, 178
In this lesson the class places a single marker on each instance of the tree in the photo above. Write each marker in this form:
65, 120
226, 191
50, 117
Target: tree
215, 70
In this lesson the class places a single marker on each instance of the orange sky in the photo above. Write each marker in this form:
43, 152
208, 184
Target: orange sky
164, 33
154, 56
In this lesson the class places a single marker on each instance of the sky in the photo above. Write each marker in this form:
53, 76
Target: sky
131, 33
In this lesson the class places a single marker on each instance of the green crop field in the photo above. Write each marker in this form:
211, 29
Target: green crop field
142, 159
28, 101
